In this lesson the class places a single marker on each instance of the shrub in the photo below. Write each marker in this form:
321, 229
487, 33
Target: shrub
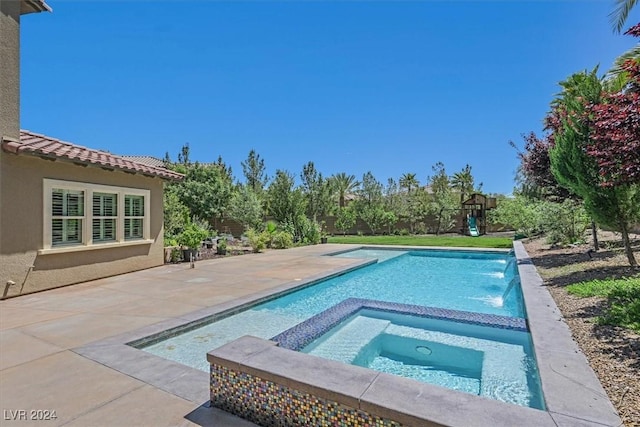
257, 241
563, 222
170, 241
193, 235
309, 231
282, 240
270, 229
623, 300
624, 306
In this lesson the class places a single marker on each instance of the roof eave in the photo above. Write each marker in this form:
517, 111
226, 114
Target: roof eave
33, 6
13, 147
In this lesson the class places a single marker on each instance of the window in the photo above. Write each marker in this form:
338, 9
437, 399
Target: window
105, 215
133, 217
89, 216
67, 214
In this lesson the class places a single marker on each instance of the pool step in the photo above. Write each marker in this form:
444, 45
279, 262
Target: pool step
345, 344
503, 376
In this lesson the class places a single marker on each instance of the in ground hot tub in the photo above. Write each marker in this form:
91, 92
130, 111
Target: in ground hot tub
478, 359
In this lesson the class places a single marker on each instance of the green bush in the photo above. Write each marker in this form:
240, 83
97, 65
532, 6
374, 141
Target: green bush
563, 222
282, 240
623, 300
309, 231
170, 241
192, 235
624, 307
257, 241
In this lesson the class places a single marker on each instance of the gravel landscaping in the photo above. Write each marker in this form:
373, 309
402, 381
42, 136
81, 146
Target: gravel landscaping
613, 352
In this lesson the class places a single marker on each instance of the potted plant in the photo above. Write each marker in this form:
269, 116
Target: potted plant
323, 232
221, 249
190, 239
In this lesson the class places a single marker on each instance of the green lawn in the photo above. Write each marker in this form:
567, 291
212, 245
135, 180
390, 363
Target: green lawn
447, 241
623, 300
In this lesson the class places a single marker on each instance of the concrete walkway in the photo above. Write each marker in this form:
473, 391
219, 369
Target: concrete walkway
45, 339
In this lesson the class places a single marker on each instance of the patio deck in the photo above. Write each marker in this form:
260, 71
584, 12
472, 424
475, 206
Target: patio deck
43, 338
64, 350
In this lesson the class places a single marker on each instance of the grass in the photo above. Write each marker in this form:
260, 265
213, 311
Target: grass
623, 300
446, 241
601, 288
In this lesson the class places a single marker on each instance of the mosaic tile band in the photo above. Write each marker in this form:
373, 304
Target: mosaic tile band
267, 403
303, 333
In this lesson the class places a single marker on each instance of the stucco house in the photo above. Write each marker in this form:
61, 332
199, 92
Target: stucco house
67, 213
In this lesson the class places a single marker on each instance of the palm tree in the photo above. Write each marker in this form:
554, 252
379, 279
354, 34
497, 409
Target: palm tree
344, 184
617, 74
620, 14
409, 181
463, 182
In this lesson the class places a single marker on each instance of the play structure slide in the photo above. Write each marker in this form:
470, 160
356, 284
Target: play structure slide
473, 227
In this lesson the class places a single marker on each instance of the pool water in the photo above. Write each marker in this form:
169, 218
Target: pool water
481, 282
486, 361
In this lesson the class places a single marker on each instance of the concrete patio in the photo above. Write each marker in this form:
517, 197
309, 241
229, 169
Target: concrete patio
65, 351
44, 338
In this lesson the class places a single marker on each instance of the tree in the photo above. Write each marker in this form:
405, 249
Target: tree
183, 155
286, 202
393, 200
540, 183
254, 173
317, 191
444, 204
464, 182
176, 214
615, 140
409, 181
205, 190
614, 206
370, 202
629, 59
519, 212
346, 219
536, 167
227, 173
246, 208
416, 207
344, 184
388, 219
621, 12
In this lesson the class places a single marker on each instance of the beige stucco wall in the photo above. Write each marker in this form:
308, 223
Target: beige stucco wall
10, 69
21, 227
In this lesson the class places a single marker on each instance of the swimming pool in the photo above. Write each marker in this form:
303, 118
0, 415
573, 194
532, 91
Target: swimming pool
480, 282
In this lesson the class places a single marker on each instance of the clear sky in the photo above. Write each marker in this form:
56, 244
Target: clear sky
386, 86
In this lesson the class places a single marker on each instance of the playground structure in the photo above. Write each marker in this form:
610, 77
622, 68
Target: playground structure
474, 214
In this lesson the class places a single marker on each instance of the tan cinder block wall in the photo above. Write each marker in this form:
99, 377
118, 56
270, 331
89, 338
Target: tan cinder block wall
10, 69
21, 228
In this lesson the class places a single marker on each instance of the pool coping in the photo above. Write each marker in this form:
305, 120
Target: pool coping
573, 394
300, 335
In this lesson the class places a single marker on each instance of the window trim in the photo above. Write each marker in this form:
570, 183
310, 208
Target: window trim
87, 219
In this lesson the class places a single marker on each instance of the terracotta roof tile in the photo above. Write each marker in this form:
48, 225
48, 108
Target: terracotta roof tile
41, 145
146, 160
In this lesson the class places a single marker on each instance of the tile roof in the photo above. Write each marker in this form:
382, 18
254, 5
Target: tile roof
43, 146
33, 6
146, 160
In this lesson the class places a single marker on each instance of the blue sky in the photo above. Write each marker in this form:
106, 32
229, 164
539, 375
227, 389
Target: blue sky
391, 87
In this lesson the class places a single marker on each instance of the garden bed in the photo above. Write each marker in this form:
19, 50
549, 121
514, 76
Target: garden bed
613, 352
